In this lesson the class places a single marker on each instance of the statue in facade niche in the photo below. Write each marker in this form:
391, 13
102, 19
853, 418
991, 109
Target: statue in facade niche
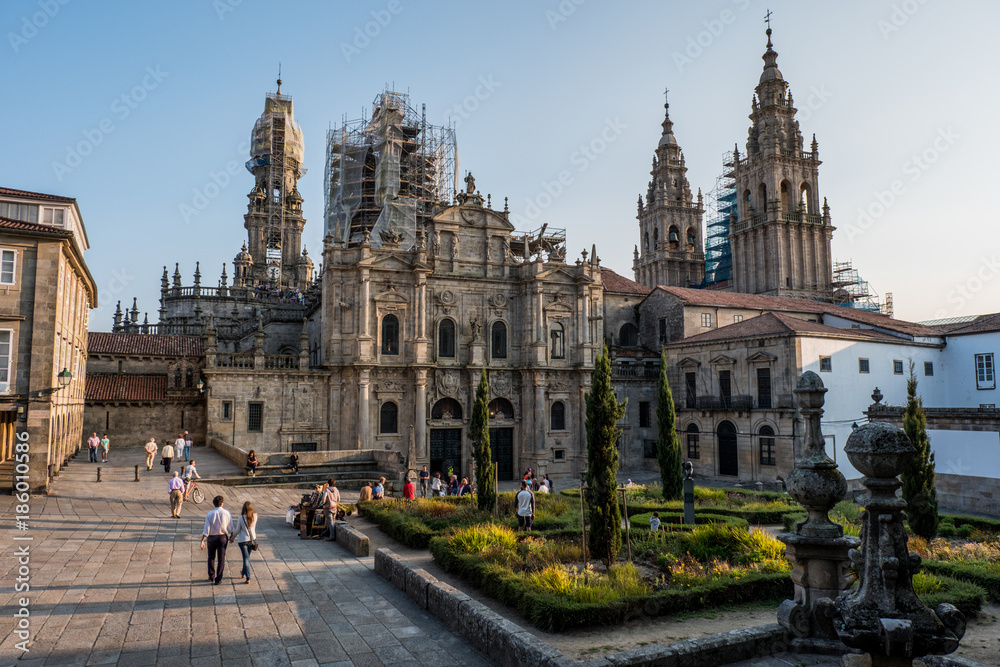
475, 327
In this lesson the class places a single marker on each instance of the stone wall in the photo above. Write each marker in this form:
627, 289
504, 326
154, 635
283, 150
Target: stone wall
133, 424
964, 493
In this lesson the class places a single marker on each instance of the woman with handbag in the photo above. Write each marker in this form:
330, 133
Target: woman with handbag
246, 536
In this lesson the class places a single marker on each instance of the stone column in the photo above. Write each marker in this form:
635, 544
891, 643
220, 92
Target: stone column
364, 391
539, 413
420, 414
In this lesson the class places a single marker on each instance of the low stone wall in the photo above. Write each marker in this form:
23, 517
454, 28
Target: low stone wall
964, 493
511, 645
383, 460
233, 454
353, 540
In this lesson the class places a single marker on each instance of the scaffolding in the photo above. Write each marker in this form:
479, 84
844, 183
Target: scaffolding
387, 175
551, 242
720, 206
850, 289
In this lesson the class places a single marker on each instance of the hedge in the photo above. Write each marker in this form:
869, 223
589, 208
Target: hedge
403, 528
555, 613
980, 522
968, 572
673, 521
968, 598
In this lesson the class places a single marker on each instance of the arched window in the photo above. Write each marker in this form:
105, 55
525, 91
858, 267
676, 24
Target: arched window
557, 416
645, 242
558, 336
766, 438
804, 203
762, 197
390, 335
628, 335
656, 236
673, 235
446, 339
786, 197
498, 340
446, 408
693, 444
690, 237
388, 418
500, 408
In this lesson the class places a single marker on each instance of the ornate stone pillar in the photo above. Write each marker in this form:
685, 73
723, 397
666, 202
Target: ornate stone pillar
420, 414
539, 413
364, 393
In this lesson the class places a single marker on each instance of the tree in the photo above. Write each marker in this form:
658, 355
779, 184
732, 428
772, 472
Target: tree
918, 477
603, 413
668, 444
479, 434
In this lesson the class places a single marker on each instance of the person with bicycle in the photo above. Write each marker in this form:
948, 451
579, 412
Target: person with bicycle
190, 473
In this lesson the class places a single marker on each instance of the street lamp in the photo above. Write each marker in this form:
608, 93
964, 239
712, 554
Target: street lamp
200, 385
64, 377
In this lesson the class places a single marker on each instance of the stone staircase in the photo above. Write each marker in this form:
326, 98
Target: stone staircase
350, 475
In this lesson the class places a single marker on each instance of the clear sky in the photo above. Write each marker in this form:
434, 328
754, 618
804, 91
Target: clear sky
161, 97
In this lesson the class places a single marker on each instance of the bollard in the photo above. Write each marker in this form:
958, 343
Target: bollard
137, 472
98, 474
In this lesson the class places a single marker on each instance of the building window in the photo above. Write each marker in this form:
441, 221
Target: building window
557, 416
628, 335
764, 388
189, 378
825, 364
255, 417
897, 366
649, 449
928, 368
663, 330
766, 438
725, 389
5, 340
644, 420
862, 365
388, 418
446, 339
559, 454
694, 451
498, 340
7, 265
390, 335
706, 320
984, 371
54, 216
22, 212
737, 318
690, 390
558, 335
227, 410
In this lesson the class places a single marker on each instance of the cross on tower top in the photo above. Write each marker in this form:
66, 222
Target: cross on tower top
666, 92
767, 19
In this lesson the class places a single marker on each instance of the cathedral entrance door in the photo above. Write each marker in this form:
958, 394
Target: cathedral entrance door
729, 463
446, 450
502, 444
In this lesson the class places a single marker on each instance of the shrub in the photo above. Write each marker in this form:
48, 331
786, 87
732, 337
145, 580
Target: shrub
478, 538
924, 583
986, 575
968, 598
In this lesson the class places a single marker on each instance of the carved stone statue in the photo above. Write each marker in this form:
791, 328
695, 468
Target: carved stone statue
475, 327
470, 184
454, 246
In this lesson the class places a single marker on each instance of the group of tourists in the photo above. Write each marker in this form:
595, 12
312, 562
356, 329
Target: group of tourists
543, 486
179, 448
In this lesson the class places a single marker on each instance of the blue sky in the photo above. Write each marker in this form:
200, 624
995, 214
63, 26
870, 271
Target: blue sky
901, 95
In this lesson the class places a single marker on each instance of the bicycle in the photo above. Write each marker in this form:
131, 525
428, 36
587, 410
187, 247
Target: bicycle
196, 494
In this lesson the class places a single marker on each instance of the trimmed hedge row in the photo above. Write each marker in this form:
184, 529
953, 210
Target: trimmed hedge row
555, 613
968, 598
673, 520
980, 522
401, 527
751, 516
989, 580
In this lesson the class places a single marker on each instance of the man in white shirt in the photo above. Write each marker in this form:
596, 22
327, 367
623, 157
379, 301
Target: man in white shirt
92, 442
218, 526
150, 452
167, 455
525, 503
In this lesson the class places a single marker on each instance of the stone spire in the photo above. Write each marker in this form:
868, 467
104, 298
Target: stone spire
197, 274
177, 275
164, 280
118, 317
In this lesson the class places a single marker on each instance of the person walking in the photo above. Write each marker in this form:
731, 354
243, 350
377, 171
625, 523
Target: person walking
188, 444
92, 442
179, 444
218, 527
246, 535
175, 487
424, 479
525, 503
331, 498
436, 484
151, 448
105, 446
168, 457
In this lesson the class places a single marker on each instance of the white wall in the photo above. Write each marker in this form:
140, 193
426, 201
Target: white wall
975, 453
959, 357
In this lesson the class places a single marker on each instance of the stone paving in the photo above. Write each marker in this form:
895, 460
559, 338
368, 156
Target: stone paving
114, 579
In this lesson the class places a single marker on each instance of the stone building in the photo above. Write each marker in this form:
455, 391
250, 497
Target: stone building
46, 293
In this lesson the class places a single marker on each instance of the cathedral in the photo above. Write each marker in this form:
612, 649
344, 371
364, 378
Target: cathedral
424, 283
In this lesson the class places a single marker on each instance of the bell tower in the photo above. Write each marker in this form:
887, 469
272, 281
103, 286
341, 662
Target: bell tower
671, 250
274, 219
781, 234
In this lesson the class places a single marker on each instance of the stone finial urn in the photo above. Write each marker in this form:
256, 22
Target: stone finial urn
882, 615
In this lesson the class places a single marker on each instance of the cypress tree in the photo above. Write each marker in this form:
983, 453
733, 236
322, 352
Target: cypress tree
918, 477
479, 434
603, 413
668, 444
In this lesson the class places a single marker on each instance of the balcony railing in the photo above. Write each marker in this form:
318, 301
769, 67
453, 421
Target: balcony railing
241, 360
634, 371
737, 403
283, 362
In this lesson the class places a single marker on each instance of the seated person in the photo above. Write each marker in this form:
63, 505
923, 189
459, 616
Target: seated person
544, 488
365, 493
295, 462
409, 490
252, 463
378, 491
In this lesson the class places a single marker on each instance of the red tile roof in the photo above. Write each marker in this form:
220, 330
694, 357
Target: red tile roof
776, 324
20, 225
619, 284
770, 303
11, 192
144, 345
982, 324
125, 387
